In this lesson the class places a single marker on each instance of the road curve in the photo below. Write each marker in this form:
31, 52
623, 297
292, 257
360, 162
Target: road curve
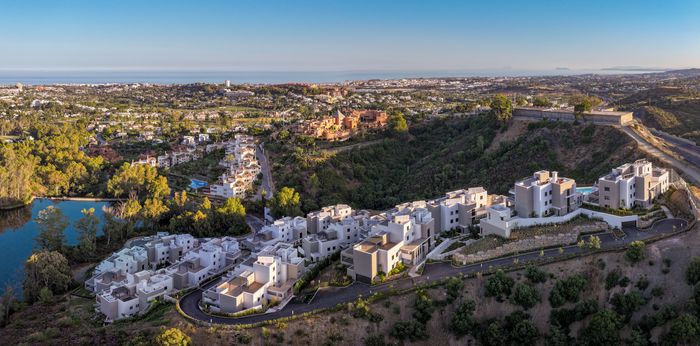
332, 296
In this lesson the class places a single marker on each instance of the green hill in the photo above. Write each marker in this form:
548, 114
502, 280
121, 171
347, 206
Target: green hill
443, 155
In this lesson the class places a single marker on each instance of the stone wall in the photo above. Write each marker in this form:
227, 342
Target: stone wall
530, 244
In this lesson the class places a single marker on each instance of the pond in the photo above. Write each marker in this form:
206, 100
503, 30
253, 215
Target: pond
18, 230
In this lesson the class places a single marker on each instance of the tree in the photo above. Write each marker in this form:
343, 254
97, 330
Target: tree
501, 108
454, 287
173, 337
52, 225
684, 330
45, 269
520, 100
692, 273
525, 295
567, 289
635, 251
423, 307
603, 329
154, 208
285, 203
463, 322
493, 335
626, 304
87, 232
232, 216
141, 180
398, 124
541, 101
499, 285
45, 295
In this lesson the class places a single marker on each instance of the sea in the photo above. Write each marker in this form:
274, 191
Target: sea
50, 77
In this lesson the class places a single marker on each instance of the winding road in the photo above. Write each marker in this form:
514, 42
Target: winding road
331, 296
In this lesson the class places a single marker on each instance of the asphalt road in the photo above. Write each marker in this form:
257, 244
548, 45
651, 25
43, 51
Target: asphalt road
267, 184
331, 296
691, 171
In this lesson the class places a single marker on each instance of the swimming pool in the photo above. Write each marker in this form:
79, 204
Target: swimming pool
196, 184
586, 190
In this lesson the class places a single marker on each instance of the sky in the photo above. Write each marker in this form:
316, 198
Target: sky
333, 35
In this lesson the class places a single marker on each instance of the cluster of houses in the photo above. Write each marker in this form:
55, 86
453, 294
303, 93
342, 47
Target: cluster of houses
242, 168
127, 282
370, 246
340, 127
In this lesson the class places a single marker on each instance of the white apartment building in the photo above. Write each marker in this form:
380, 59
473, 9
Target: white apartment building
134, 297
204, 262
320, 220
269, 278
632, 184
459, 209
243, 168
336, 236
287, 229
544, 194
405, 237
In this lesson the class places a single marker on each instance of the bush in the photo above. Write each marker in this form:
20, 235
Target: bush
692, 273
642, 283
526, 296
463, 322
626, 304
535, 275
657, 291
424, 307
499, 285
612, 279
564, 317
454, 287
603, 329
411, 330
173, 337
375, 340
567, 289
635, 251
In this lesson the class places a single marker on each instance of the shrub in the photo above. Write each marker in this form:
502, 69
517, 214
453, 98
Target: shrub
411, 330
567, 289
692, 273
499, 285
463, 322
423, 307
173, 337
657, 291
612, 279
642, 283
535, 275
454, 287
635, 251
526, 296
564, 317
627, 304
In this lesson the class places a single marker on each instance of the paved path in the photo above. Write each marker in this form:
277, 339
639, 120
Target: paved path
329, 297
691, 171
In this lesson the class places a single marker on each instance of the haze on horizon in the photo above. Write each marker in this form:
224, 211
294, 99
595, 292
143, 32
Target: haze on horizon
352, 35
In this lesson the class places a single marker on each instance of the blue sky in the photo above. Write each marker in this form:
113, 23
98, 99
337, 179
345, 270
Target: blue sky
348, 35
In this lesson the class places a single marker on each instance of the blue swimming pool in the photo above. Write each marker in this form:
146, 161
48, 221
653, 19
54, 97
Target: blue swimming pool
196, 184
586, 190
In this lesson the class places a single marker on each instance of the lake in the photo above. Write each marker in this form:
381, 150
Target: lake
18, 230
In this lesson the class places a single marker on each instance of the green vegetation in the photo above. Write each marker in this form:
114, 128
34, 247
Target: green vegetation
45, 270
692, 273
443, 154
535, 274
499, 285
635, 251
501, 108
172, 337
567, 289
525, 295
285, 203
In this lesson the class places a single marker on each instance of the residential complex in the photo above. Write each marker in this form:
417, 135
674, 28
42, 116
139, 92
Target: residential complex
340, 127
632, 185
459, 209
126, 282
242, 169
405, 237
257, 282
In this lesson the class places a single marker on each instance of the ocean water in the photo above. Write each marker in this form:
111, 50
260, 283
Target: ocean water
47, 77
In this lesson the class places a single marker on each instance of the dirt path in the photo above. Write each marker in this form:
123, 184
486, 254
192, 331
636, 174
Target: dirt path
353, 146
515, 130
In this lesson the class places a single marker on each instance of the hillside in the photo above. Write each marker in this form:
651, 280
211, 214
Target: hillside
442, 155
672, 109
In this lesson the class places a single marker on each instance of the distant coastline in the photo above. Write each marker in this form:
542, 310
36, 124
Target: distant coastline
49, 77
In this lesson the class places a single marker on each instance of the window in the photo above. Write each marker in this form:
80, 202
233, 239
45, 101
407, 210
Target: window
606, 189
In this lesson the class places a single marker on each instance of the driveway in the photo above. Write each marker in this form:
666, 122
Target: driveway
330, 297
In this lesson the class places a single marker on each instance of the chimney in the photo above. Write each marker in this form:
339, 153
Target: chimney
555, 175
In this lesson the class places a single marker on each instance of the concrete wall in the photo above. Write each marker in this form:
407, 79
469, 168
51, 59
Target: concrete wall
601, 118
